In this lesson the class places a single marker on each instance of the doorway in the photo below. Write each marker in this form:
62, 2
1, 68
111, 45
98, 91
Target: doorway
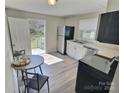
37, 32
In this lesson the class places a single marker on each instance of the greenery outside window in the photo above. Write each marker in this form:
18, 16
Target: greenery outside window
87, 28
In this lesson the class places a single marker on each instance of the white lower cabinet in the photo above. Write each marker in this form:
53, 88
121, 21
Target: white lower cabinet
70, 49
75, 50
78, 51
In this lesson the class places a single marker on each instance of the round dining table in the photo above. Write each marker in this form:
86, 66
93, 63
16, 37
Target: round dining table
36, 61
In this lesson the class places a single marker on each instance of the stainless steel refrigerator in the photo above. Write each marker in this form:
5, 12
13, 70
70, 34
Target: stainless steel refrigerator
64, 33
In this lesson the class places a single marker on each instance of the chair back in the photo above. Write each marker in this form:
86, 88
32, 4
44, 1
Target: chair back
28, 76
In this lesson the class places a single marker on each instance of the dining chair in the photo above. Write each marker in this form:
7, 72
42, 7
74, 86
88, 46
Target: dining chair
34, 80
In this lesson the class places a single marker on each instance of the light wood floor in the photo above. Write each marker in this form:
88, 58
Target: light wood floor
62, 75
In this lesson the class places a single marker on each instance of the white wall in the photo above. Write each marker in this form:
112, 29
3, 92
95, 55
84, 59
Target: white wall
10, 80
51, 25
115, 87
113, 5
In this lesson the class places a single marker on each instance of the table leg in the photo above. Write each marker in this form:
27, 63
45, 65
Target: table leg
22, 74
18, 84
48, 86
34, 70
40, 70
17, 73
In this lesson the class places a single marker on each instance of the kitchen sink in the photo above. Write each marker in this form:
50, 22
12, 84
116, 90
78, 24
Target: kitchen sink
82, 42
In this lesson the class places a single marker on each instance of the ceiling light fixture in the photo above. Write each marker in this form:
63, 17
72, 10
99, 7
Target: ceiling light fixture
52, 2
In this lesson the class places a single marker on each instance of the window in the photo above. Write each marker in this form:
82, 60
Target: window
87, 28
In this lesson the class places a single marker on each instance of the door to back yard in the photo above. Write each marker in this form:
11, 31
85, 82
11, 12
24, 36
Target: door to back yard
37, 31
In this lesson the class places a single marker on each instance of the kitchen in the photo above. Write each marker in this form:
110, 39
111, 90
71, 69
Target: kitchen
72, 38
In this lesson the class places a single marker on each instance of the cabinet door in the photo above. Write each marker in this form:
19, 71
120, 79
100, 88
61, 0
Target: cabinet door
60, 44
20, 34
109, 28
70, 49
78, 51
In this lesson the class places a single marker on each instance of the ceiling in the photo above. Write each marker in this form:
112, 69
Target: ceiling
62, 8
